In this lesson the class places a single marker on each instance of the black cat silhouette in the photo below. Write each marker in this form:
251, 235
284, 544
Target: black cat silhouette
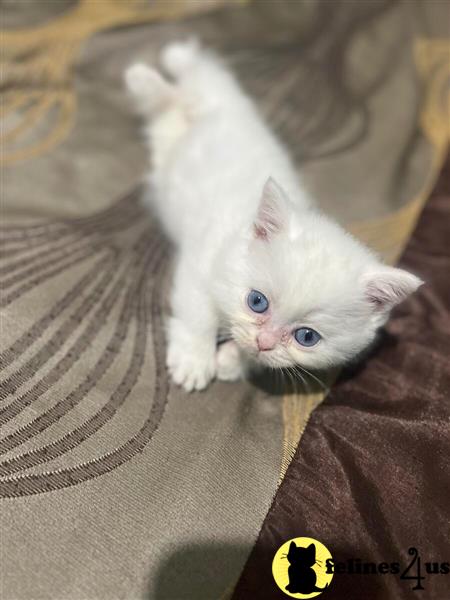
302, 577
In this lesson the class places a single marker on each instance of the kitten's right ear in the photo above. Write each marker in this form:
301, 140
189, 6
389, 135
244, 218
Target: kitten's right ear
293, 546
387, 286
272, 210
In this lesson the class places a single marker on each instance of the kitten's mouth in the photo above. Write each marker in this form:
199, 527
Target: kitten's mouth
265, 358
272, 359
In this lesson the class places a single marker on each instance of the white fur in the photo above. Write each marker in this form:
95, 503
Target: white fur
237, 230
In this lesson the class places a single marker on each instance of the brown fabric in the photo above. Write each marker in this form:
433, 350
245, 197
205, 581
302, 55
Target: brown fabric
371, 476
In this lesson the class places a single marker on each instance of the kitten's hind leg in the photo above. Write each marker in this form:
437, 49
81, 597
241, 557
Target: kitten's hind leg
178, 57
159, 102
150, 91
204, 81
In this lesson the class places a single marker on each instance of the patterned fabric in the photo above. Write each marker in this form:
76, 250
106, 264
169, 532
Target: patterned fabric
115, 484
110, 304
37, 64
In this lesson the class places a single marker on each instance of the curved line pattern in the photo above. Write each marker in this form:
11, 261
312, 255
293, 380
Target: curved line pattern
101, 417
38, 329
43, 58
33, 282
49, 481
26, 371
55, 260
92, 227
127, 204
49, 417
126, 265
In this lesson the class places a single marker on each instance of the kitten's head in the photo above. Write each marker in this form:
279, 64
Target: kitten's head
298, 289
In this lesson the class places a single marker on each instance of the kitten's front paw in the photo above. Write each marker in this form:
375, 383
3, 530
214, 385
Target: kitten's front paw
229, 362
190, 367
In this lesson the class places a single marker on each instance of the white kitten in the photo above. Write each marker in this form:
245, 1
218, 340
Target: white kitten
255, 260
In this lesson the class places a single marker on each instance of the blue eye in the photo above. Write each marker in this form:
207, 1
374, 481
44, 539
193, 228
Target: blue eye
307, 337
257, 302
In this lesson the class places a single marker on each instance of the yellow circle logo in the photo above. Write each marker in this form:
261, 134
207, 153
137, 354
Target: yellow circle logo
300, 568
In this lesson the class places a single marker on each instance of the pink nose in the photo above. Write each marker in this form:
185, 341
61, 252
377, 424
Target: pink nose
267, 340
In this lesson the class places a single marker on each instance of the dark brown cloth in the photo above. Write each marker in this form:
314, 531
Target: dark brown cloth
371, 476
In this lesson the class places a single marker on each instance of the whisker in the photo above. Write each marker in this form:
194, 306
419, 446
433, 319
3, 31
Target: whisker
319, 381
305, 381
305, 370
297, 375
291, 378
296, 380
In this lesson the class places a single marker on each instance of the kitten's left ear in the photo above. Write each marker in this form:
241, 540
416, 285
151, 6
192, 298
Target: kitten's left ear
387, 286
272, 210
